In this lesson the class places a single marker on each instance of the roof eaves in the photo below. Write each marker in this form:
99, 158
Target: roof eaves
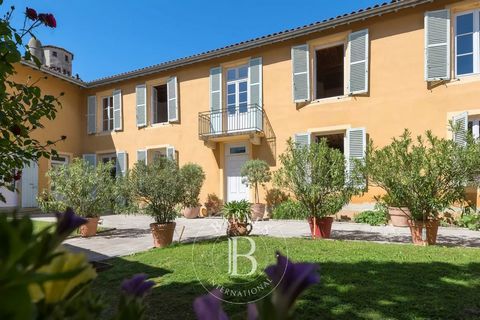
74, 81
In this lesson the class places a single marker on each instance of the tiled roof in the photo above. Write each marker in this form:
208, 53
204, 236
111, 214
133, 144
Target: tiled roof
362, 14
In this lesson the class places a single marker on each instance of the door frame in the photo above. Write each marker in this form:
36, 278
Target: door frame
226, 155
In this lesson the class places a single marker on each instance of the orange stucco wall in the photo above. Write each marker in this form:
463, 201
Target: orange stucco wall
398, 98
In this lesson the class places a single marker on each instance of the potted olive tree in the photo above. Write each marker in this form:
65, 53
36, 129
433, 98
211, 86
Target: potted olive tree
315, 175
194, 177
254, 173
237, 213
156, 189
86, 189
426, 175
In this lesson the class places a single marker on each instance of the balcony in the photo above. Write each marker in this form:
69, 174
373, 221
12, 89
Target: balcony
245, 121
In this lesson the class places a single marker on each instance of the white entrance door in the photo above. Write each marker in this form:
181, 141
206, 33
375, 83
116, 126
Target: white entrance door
30, 185
237, 99
235, 157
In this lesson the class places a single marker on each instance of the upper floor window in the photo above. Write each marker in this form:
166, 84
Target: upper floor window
330, 66
107, 113
467, 43
54, 53
160, 104
66, 58
237, 90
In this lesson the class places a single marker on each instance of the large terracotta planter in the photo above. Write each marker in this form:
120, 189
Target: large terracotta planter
416, 230
258, 211
89, 229
399, 217
162, 234
320, 227
237, 228
191, 212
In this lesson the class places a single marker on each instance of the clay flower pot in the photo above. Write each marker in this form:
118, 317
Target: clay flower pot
320, 227
237, 228
399, 217
416, 230
191, 212
89, 229
258, 211
162, 234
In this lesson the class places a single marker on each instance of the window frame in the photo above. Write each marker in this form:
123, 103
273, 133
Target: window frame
344, 43
152, 105
110, 114
110, 157
476, 42
236, 82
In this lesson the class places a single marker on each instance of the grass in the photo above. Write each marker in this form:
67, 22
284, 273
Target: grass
358, 280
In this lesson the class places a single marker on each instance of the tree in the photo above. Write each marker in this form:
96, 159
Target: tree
255, 172
23, 107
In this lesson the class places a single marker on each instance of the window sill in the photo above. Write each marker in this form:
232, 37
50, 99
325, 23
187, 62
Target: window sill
103, 133
331, 100
464, 79
158, 125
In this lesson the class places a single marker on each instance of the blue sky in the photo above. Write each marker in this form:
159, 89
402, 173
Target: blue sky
113, 36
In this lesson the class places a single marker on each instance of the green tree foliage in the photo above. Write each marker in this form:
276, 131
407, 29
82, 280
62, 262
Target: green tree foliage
254, 173
315, 175
194, 177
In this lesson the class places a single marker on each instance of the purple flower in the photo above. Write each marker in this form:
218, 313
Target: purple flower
290, 280
252, 312
137, 286
68, 221
208, 307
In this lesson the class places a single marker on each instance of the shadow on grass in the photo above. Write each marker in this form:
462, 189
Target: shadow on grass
364, 290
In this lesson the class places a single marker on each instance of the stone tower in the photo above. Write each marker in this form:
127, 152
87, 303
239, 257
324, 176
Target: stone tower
36, 49
58, 59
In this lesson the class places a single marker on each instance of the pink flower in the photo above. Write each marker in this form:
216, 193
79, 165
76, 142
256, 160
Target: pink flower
31, 14
48, 19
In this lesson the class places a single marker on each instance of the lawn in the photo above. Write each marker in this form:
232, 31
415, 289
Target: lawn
358, 280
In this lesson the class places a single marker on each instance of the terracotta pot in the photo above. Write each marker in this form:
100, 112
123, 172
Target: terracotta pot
258, 211
162, 234
237, 229
89, 229
399, 217
416, 230
321, 227
191, 212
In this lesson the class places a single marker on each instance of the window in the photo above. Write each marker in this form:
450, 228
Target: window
334, 141
113, 159
238, 150
66, 58
59, 160
237, 90
329, 80
160, 104
54, 53
474, 127
467, 43
107, 113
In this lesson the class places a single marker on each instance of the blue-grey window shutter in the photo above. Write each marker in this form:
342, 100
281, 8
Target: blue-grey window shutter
359, 47
90, 158
121, 164
301, 73
117, 110
437, 45
172, 92
91, 114
171, 153
302, 139
356, 148
142, 156
141, 100
216, 99
460, 123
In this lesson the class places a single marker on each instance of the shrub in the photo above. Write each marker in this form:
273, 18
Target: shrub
237, 210
274, 197
426, 175
213, 204
86, 189
48, 204
156, 189
315, 175
469, 219
194, 177
290, 210
372, 217
254, 173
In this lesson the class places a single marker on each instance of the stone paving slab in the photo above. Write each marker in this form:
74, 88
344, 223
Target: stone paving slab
132, 234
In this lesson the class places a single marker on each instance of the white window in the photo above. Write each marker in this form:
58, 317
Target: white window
474, 127
237, 90
467, 43
59, 160
106, 158
159, 104
107, 113
330, 72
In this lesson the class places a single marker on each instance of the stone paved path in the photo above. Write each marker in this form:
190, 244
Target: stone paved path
132, 234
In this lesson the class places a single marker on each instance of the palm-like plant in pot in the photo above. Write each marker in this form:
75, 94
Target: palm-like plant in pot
256, 173
237, 213
156, 190
86, 189
315, 175
194, 177
426, 175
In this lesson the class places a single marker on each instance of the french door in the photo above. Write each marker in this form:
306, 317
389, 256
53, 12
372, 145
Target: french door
237, 99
